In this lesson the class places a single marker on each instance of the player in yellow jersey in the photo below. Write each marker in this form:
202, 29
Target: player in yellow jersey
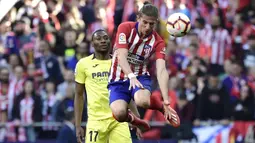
92, 73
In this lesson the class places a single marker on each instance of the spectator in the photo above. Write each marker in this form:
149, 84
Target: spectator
49, 100
67, 48
81, 52
197, 67
213, 103
67, 133
251, 78
66, 103
30, 71
4, 87
185, 109
243, 108
49, 64
27, 110
15, 88
13, 60
235, 80
219, 44
249, 59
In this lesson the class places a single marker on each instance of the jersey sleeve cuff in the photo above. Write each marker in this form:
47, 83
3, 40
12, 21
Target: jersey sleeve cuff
80, 82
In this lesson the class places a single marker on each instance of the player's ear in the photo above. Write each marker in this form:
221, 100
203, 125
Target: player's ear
138, 16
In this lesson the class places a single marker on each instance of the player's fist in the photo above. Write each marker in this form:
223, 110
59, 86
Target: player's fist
80, 135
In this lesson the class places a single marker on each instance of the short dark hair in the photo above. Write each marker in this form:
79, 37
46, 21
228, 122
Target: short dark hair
99, 30
149, 10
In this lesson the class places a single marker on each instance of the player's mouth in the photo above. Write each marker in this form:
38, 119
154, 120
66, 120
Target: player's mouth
104, 46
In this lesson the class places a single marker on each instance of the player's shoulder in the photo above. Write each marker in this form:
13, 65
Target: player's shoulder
86, 60
128, 25
158, 38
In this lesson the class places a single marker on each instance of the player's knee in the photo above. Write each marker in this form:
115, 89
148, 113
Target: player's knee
142, 98
120, 115
143, 103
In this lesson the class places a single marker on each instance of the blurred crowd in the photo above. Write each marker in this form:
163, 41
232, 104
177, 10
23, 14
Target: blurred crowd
212, 69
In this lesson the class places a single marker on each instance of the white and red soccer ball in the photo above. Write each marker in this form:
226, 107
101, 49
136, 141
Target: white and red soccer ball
178, 24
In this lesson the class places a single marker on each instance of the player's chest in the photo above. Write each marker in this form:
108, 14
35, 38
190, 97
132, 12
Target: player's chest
142, 47
98, 72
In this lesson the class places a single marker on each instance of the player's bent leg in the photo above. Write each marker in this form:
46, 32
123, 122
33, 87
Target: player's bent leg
120, 133
119, 110
142, 98
96, 132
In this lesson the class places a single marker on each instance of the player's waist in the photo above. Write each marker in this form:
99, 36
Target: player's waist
119, 80
99, 117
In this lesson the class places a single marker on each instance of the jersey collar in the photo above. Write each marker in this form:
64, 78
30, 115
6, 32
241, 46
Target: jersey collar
136, 27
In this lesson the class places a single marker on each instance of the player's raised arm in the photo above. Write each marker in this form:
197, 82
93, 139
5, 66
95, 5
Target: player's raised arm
79, 100
163, 78
122, 53
162, 74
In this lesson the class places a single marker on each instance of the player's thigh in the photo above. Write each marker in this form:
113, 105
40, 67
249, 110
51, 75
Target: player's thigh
96, 132
120, 96
142, 96
120, 133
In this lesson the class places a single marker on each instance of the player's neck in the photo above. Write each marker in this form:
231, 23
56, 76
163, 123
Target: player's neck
102, 56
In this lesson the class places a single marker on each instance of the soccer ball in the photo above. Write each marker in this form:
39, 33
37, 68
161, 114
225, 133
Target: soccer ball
178, 24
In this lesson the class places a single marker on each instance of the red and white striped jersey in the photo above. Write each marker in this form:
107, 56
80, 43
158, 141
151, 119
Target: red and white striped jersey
218, 44
139, 50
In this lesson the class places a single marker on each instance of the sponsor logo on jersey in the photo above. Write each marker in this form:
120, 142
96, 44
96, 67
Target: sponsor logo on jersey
135, 59
122, 38
147, 49
100, 74
95, 65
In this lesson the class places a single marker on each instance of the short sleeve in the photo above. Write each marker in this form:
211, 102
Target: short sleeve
160, 50
80, 75
123, 33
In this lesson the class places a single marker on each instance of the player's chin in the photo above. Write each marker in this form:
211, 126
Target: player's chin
104, 50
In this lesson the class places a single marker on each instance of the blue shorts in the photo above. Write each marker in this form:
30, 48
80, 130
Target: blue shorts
119, 89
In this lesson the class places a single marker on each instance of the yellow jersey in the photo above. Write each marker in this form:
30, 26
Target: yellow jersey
94, 74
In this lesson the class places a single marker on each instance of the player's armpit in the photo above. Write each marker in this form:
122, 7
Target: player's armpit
163, 77
78, 103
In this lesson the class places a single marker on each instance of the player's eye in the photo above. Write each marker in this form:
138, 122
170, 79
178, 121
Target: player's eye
145, 22
106, 37
152, 24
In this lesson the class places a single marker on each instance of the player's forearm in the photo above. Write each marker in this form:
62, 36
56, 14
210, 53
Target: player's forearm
123, 62
78, 108
78, 104
132, 106
163, 79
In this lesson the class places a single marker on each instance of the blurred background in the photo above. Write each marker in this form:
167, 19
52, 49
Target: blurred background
212, 69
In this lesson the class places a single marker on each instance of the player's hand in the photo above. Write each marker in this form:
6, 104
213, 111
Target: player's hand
138, 131
139, 134
170, 115
134, 82
80, 136
167, 112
